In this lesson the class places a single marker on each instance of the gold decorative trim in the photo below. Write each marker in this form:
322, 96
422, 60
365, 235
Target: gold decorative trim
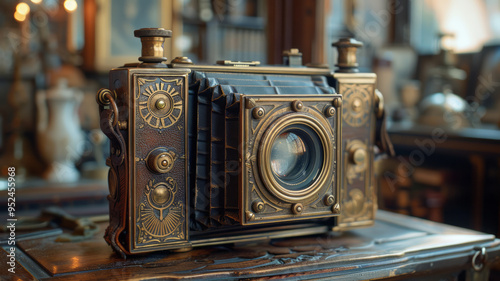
278, 202
264, 158
159, 218
160, 103
180, 236
357, 103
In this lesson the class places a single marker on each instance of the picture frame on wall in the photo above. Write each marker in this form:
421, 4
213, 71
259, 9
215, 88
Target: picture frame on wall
115, 22
483, 91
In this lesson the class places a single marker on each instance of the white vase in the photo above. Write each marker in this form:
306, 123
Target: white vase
59, 135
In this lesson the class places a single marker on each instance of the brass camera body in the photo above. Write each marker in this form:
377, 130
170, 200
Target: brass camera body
204, 155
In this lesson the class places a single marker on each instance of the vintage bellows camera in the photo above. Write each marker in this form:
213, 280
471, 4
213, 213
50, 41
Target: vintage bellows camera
204, 155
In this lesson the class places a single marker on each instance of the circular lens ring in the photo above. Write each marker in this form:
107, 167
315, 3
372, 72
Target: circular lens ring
264, 157
284, 161
307, 170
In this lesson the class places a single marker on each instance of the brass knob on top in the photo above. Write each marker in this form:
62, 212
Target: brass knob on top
347, 48
152, 40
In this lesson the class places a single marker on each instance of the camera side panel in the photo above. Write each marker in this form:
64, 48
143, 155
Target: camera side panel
358, 193
158, 153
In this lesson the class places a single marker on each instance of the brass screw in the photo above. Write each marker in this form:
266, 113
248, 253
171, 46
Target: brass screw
122, 125
164, 163
182, 60
337, 102
160, 104
297, 208
297, 105
357, 105
336, 208
258, 206
250, 216
329, 200
258, 112
330, 111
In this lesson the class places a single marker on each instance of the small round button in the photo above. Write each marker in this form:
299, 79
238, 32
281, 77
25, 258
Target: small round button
359, 156
329, 200
161, 195
258, 206
297, 105
258, 112
297, 208
160, 104
161, 160
357, 105
330, 111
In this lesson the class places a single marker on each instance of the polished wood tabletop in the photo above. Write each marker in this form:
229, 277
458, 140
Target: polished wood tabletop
396, 247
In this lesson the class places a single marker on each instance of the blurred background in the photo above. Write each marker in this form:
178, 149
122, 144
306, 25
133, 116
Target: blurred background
438, 67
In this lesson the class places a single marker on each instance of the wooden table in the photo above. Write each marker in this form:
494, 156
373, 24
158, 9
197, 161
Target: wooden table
397, 247
83, 198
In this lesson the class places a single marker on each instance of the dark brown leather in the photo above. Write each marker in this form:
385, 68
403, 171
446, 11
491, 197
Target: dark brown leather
382, 139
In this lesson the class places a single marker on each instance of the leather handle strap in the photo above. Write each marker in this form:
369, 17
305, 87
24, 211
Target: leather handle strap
382, 139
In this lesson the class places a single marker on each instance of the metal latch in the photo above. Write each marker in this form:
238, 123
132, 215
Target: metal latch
479, 258
238, 63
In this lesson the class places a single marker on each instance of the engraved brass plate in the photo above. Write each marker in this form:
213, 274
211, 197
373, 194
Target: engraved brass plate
159, 194
359, 198
265, 196
159, 218
357, 104
160, 102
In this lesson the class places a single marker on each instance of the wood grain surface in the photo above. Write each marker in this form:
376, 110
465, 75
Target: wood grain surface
396, 247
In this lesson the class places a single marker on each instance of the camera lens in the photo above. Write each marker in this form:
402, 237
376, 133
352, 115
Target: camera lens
288, 154
296, 157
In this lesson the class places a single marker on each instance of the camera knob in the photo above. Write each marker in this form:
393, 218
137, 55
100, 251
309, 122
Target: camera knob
358, 156
152, 40
347, 48
161, 160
